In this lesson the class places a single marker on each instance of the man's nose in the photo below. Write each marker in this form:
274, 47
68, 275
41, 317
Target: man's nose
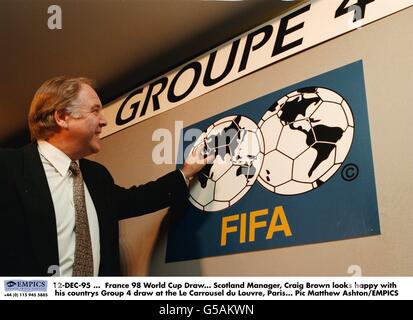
102, 120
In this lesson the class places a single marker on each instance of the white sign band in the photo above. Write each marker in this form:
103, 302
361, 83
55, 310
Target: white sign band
306, 26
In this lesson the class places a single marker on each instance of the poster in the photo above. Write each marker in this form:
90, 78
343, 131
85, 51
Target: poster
292, 167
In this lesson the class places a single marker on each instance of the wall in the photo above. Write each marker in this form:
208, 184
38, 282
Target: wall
386, 48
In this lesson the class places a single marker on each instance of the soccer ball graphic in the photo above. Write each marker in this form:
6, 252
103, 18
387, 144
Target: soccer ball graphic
237, 144
307, 136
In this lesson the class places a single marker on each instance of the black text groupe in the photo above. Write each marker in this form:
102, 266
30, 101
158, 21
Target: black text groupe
253, 42
258, 39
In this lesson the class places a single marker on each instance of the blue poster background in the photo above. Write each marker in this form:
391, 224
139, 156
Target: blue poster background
338, 209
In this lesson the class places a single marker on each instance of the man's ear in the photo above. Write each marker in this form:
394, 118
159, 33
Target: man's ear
61, 117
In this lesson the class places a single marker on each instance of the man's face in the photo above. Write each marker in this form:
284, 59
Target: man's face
86, 123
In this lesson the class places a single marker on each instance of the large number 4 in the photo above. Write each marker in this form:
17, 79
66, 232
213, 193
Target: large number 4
359, 9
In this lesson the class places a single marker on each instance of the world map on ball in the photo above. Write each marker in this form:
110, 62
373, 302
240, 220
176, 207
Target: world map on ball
307, 136
237, 144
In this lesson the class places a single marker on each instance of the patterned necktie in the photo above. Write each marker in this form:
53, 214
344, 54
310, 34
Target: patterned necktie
83, 263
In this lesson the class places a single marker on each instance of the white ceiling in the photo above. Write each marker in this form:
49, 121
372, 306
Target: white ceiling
119, 43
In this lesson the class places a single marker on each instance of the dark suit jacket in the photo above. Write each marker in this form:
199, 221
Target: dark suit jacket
28, 236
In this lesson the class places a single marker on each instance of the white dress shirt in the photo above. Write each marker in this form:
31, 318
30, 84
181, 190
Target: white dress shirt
56, 166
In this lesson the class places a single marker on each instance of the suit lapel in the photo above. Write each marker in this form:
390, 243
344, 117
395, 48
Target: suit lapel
40, 210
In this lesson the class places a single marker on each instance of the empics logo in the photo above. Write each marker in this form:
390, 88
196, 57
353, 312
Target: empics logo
25, 285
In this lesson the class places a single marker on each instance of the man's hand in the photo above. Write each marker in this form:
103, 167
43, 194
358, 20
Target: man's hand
196, 161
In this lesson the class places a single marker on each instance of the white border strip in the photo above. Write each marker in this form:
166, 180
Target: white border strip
248, 289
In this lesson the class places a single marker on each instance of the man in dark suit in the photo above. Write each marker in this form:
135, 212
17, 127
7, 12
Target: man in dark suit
42, 196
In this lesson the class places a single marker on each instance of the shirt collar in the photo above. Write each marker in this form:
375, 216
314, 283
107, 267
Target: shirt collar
57, 158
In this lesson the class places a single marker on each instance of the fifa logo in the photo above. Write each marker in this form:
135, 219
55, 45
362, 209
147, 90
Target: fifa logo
299, 143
